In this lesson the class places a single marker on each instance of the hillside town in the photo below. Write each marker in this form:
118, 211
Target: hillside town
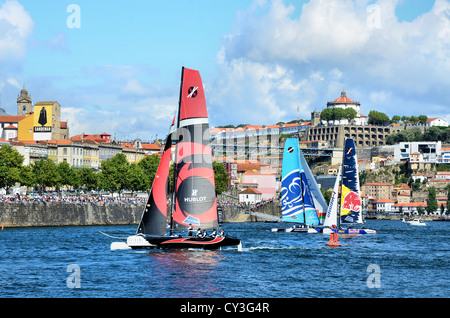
395, 176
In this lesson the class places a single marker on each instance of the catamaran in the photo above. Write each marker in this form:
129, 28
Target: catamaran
298, 204
193, 204
350, 207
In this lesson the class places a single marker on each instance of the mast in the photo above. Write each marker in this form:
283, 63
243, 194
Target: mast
176, 152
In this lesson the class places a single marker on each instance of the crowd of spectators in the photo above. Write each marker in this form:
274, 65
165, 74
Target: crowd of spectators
245, 206
71, 199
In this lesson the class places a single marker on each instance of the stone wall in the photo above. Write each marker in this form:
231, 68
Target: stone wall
20, 214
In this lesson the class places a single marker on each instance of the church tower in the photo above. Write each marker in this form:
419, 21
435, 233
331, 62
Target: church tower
315, 118
24, 104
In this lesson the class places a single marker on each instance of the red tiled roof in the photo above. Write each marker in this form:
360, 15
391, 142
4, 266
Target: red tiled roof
250, 191
151, 147
10, 119
413, 204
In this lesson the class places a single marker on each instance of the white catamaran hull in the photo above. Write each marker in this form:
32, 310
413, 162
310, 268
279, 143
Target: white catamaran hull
298, 230
133, 242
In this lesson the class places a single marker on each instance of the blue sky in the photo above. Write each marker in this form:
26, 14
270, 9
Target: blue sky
259, 60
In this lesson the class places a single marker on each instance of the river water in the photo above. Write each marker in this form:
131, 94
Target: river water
401, 261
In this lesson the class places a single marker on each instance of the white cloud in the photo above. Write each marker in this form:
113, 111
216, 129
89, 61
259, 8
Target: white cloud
16, 26
280, 56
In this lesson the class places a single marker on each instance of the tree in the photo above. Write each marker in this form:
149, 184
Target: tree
88, 180
396, 119
433, 134
432, 204
220, 177
27, 176
326, 114
66, 174
136, 180
350, 114
114, 173
377, 118
149, 165
423, 119
45, 174
338, 113
10, 166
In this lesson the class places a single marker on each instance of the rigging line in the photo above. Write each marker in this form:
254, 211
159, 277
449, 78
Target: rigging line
123, 238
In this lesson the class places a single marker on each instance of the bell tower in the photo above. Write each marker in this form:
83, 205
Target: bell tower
24, 102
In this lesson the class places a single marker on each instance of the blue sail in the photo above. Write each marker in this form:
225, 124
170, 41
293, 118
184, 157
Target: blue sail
311, 217
297, 204
291, 188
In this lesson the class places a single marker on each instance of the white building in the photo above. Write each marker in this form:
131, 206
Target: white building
443, 175
384, 205
444, 156
250, 196
436, 121
430, 150
344, 102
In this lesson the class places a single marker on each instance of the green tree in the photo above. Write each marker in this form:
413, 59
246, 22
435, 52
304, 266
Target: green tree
114, 173
414, 119
405, 119
433, 134
66, 174
149, 166
432, 204
88, 179
327, 114
377, 118
350, 114
45, 174
221, 178
136, 180
27, 176
396, 119
422, 119
338, 113
10, 164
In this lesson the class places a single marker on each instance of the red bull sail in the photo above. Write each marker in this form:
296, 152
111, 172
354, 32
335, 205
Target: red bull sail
351, 211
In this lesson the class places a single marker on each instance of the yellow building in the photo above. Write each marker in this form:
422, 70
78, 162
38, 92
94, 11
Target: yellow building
90, 154
133, 154
25, 128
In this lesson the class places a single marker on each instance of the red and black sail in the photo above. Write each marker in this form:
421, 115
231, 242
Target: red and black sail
195, 198
154, 218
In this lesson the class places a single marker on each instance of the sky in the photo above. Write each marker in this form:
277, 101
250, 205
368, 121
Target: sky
115, 66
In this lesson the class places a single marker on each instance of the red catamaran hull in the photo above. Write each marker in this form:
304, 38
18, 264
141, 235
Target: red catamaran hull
166, 242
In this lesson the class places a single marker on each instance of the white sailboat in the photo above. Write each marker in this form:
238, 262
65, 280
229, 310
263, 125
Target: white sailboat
350, 207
